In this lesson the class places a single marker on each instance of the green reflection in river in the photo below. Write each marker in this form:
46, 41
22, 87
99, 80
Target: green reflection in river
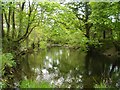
65, 67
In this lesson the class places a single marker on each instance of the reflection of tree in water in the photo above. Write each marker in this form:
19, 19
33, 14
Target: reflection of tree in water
99, 68
23, 70
74, 69
68, 68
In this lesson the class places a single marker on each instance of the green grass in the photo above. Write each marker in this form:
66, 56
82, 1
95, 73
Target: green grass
35, 84
101, 85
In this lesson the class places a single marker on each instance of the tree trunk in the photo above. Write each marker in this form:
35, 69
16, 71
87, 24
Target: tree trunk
13, 24
1, 22
104, 34
87, 31
21, 18
86, 19
3, 33
20, 25
111, 33
8, 21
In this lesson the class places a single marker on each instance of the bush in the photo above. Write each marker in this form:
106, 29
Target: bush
6, 59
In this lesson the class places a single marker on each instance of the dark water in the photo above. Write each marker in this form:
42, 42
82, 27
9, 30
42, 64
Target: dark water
67, 68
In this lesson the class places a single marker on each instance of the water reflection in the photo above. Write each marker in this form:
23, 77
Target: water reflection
72, 68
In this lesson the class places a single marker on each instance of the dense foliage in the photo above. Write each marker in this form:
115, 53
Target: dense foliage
28, 25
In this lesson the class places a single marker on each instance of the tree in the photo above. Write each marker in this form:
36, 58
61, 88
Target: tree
1, 21
20, 19
103, 18
60, 24
82, 10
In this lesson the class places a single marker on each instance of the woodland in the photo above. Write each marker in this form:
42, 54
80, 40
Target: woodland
29, 26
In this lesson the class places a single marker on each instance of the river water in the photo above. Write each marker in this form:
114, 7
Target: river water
69, 68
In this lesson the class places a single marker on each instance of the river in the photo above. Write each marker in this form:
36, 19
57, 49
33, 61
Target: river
69, 68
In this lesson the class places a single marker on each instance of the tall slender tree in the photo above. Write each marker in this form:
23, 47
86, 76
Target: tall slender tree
1, 21
82, 10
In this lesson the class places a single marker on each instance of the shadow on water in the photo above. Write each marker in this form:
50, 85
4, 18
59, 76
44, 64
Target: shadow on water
22, 71
68, 68
100, 68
